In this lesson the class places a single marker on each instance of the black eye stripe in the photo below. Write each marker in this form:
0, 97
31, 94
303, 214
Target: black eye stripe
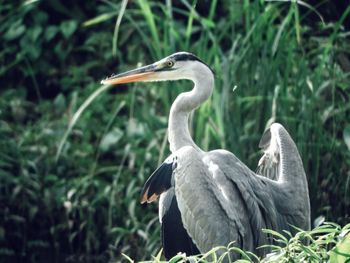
185, 56
164, 69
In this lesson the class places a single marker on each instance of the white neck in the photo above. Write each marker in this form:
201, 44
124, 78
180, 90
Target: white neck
185, 103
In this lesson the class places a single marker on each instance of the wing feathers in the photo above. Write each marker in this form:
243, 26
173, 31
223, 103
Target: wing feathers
269, 163
158, 182
174, 236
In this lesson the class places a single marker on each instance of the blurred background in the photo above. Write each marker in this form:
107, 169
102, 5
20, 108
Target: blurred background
283, 61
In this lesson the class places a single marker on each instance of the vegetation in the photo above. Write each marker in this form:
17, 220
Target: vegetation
274, 61
305, 246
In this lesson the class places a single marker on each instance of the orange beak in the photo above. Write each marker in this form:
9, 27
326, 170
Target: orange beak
141, 74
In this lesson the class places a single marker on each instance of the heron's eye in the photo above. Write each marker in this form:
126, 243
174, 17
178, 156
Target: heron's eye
170, 63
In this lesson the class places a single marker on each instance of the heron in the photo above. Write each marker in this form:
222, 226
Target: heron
209, 199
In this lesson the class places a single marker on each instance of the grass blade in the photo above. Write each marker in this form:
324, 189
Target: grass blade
76, 116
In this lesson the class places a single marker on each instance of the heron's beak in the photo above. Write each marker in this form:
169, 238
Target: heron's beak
146, 73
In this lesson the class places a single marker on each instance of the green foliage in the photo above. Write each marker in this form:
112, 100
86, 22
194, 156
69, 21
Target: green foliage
270, 65
316, 245
341, 252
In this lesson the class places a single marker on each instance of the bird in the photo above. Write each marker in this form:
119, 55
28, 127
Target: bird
211, 198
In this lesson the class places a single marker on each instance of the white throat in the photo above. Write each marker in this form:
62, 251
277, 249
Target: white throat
185, 103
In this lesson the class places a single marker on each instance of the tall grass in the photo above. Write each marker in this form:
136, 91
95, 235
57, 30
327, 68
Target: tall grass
269, 66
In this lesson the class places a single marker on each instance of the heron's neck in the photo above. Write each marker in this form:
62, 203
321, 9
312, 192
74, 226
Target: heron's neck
185, 103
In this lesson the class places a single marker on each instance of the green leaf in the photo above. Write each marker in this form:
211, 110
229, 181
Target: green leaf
60, 102
159, 255
68, 28
51, 32
176, 258
35, 33
127, 258
15, 31
282, 239
341, 253
111, 139
311, 253
98, 19
208, 23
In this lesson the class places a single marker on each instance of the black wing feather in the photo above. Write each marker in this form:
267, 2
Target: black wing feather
161, 179
175, 238
158, 182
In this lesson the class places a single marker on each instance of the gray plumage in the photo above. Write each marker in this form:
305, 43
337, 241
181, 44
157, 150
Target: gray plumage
217, 197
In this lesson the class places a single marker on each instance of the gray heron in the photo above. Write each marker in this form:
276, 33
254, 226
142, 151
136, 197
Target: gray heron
209, 199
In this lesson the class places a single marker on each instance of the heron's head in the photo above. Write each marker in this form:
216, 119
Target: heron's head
181, 65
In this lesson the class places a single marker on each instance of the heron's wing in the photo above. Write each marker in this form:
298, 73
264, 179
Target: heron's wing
217, 205
222, 200
282, 163
159, 181
269, 163
174, 236
258, 211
